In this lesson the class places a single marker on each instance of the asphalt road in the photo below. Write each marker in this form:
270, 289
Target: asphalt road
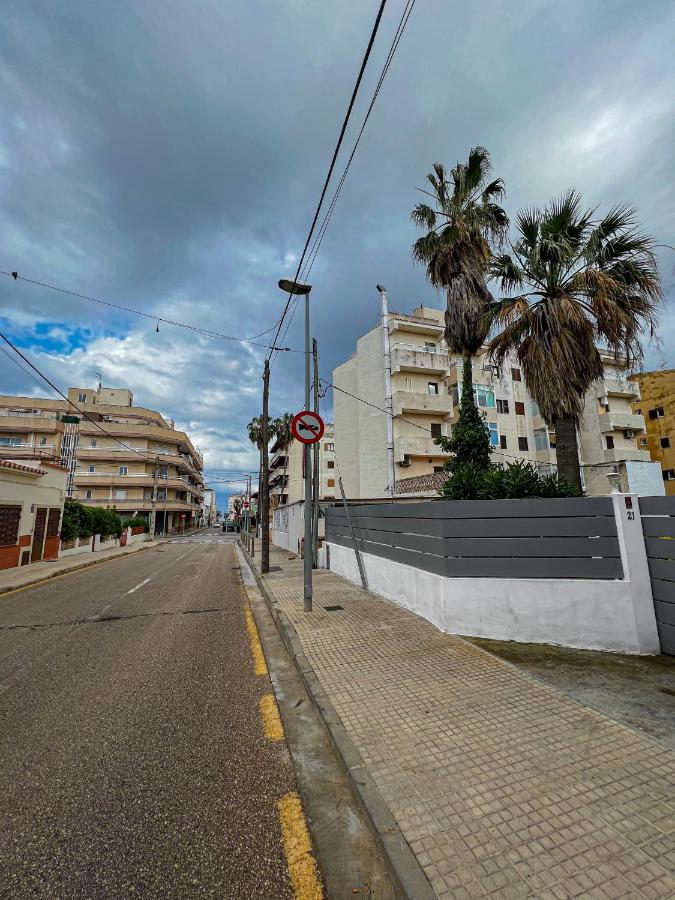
132, 756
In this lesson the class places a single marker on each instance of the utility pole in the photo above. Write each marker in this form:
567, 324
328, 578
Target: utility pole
295, 287
388, 405
316, 456
153, 509
263, 494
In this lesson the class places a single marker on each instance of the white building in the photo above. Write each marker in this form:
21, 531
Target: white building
426, 387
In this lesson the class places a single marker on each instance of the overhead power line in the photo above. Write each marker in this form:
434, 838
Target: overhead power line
345, 122
217, 335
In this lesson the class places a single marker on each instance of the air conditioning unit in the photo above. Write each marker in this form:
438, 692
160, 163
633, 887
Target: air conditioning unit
405, 464
629, 434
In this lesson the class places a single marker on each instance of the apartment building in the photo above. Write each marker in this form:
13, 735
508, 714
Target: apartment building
115, 456
209, 508
657, 405
287, 471
426, 388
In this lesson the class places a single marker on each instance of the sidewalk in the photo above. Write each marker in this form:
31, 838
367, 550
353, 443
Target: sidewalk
501, 785
35, 573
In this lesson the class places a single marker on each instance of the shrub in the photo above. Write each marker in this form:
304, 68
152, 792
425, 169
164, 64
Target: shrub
514, 481
136, 522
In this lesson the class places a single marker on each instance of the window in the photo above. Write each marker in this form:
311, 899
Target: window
435, 429
163, 471
515, 375
643, 442
10, 517
432, 387
43, 442
437, 469
503, 407
120, 494
161, 495
430, 347
93, 442
330, 482
87, 495
534, 408
609, 440
669, 474
638, 412
541, 439
10, 442
485, 398
656, 413
91, 469
494, 433
82, 398
502, 441
329, 447
124, 470
330, 464
520, 408
522, 443
665, 442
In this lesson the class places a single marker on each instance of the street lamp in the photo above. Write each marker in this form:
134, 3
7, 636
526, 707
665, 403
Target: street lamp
297, 288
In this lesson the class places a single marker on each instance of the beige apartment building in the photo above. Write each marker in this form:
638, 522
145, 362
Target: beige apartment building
116, 455
426, 388
287, 471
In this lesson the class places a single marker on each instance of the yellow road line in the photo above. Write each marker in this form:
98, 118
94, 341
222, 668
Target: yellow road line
302, 868
269, 712
259, 664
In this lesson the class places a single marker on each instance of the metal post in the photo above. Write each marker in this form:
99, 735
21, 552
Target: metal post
315, 459
263, 494
388, 405
308, 479
153, 504
362, 571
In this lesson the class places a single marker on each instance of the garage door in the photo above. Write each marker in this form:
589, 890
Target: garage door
658, 524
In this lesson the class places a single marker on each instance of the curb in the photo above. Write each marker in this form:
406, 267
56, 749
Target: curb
76, 568
408, 876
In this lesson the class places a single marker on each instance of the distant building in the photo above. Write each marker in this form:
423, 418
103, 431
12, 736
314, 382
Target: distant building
209, 509
31, 510
657, 405
232, 501
140, 451
426, 388
287, 472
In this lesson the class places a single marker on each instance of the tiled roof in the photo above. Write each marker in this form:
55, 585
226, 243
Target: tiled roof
422, 483
31, 470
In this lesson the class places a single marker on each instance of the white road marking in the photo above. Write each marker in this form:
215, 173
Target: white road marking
134, 589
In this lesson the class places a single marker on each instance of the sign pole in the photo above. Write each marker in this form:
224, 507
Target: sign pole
307, 556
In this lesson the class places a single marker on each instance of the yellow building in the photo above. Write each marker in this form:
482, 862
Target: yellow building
657, 405
116, 455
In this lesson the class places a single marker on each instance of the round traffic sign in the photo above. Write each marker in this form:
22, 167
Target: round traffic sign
307, 427
245, 504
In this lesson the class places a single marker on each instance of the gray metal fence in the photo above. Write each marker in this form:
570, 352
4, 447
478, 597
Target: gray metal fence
539, 538
658, 525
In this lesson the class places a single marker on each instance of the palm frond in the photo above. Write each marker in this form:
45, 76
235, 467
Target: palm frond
424, 216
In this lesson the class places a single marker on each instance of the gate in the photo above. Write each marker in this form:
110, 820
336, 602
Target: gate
658, 525
39, 534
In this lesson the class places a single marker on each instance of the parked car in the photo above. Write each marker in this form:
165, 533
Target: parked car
230, 527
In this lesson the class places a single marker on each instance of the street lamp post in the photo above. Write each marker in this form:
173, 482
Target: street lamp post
296, 287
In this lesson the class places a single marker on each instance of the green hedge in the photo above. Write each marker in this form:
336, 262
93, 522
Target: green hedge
83, 521
136, 522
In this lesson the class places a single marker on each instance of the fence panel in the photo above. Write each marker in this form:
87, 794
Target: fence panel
658, 524
538, 538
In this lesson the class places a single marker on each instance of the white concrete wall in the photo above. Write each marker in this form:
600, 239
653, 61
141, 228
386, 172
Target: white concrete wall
590, 614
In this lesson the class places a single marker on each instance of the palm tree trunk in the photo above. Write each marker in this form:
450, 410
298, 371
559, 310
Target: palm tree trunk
567, 450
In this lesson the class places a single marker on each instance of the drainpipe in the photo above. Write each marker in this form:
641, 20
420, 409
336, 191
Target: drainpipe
388, 405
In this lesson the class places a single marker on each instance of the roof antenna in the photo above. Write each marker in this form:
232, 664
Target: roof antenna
100, 376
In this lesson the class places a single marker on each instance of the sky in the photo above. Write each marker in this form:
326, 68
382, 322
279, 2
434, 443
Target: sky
168, 157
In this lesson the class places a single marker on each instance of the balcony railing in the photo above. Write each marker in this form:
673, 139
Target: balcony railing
621, 421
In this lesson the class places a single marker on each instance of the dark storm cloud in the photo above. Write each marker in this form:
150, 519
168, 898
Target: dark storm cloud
169, 155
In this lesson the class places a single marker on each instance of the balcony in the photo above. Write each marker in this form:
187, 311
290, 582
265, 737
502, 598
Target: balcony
414, 358
128, 504
623, 454
419, 402
416, 446
618, 421
13, 421
620, 387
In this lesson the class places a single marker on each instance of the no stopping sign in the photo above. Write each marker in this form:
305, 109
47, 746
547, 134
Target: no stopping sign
307, 427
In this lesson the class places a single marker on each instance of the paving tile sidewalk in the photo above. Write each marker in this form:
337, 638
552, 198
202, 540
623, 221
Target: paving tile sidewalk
502, 786
35, 573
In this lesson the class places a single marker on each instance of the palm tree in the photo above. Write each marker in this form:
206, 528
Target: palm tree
573, 281
281, 427
463, 224
255, 430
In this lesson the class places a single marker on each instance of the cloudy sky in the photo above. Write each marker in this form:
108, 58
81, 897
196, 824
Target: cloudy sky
167, 156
